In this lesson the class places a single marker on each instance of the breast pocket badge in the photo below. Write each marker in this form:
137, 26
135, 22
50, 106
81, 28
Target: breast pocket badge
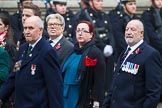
17, 66
33, 69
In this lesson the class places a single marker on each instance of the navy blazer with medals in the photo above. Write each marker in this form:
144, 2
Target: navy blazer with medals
138, 85
38, 81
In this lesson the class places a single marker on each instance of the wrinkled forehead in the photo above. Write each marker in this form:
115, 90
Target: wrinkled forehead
132, 25
83, 25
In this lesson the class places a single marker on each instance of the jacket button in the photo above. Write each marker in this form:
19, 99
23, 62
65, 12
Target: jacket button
113, 101
115, 87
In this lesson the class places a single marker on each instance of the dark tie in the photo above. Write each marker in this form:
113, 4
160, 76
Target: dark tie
50, 41
29, 50
125, 54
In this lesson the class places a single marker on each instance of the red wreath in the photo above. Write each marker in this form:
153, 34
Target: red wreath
90, 61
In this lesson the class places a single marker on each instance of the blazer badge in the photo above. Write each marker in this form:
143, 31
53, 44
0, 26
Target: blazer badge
33, 68
17, 66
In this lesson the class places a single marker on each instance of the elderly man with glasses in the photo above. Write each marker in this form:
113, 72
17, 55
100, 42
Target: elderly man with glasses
55, 28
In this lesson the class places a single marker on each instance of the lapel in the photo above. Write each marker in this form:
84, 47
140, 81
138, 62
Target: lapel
24, 52
118, 62
35, 52
135, 53
59, 44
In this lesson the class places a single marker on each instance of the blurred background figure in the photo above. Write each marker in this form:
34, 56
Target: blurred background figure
29, 9
60, 6
7, 53
124, 12
4, 66
83, 71
152, 19
83, 4
6, 38
16, 22
117, 12
5, 12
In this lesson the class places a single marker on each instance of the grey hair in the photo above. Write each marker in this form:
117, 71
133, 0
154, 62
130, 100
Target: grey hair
140, 24
37, 20
141, 27
56, 16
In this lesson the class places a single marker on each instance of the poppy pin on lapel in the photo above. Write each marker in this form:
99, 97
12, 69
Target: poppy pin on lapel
58, 46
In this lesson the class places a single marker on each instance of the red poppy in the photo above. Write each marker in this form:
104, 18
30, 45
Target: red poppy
90, 61
58, 46
137, 51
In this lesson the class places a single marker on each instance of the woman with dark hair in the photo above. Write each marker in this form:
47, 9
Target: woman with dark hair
83, 71
6, 38
7, 43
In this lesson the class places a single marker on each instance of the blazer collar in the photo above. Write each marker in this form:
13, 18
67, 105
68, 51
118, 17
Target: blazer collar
135, 53
26, 59
59, 43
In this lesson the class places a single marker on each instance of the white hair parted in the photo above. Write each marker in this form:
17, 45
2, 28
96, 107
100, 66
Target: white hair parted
139, 24
56, 16
37, 20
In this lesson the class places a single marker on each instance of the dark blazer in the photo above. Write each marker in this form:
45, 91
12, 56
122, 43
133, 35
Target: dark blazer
137, 90
63, 48
37, 79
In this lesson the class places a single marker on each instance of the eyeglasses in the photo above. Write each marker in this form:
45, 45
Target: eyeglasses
54, 24
82, 31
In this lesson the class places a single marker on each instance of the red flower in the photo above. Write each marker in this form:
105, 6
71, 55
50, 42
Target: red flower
58, 46
137, 51
90, 61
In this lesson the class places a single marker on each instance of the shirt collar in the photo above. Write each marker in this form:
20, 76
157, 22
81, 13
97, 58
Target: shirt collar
132, 49
136, 45
55, 41
33, 45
